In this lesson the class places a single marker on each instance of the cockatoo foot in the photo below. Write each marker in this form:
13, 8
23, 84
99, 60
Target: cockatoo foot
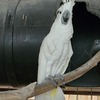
59, 76
52, 79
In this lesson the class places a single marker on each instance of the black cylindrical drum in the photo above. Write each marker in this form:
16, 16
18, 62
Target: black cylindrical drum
23, 26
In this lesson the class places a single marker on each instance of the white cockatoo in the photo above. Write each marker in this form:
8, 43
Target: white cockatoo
56, 50
93, 6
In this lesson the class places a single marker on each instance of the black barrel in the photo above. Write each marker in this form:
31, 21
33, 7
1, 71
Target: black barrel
25, 23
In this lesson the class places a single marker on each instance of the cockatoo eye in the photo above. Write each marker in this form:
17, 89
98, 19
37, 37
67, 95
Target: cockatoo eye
58, 12
65, 17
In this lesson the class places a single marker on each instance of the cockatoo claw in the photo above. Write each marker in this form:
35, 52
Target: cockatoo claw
51, 78
62, 79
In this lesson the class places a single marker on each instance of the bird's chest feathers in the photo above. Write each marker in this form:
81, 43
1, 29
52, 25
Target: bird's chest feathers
59, 30
59, 36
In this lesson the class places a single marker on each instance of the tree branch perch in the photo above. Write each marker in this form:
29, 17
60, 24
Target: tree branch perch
30, 91
68, 77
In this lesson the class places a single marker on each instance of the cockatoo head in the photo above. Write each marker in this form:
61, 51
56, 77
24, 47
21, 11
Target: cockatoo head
63, 22
64, 13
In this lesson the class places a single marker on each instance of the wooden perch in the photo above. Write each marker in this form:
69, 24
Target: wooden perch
29, 91
68, 77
